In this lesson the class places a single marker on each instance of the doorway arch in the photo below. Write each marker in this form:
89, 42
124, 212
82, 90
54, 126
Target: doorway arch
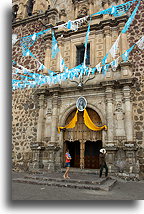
82, 134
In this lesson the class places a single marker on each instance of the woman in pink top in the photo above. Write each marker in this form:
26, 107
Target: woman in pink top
67, 164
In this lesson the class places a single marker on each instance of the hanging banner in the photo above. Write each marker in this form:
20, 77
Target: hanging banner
72, 123
125, 55
88, 122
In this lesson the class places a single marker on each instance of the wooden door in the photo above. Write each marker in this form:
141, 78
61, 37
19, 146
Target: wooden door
91, 157
82, 133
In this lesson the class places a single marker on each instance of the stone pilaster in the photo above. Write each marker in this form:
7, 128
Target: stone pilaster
40, 118
61, 47
119, 116
109, 112
105, 6
47, 61
54, 117
107, 33
128, 113
91, 6
123, 40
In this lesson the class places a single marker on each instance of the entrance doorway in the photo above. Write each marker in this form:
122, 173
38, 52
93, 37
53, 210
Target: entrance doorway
91, 156
83, 143
74, 150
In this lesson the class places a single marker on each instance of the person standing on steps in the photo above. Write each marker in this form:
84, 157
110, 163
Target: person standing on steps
67, 164
102, 162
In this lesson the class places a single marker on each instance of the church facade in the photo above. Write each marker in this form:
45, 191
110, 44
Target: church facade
115, 99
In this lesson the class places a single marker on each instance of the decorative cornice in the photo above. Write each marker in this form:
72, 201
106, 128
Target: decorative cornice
113, 84
29, 19
95, 27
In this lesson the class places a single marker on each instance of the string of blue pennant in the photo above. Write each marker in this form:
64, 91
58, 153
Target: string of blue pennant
119, 10
114, 47
39, 79
80, 70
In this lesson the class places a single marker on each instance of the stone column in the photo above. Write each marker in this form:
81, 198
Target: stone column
124, 42
40, 118
107, 33
75, 9
47, 60
63, 15
109, 111
21, 12
99, 46
61, 47
105, 5
54, 118
91, 2
128, 113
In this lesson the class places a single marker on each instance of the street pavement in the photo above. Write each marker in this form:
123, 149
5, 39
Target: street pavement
123, 190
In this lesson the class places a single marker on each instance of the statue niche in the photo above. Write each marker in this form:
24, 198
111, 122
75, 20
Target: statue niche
15, 9
83, 11
29, 7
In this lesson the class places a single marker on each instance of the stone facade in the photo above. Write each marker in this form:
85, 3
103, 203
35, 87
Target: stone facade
137, 94
116, 97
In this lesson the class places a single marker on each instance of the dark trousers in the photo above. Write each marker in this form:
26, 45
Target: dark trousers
106, 170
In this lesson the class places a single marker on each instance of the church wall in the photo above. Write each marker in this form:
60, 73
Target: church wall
137, 60
27, 108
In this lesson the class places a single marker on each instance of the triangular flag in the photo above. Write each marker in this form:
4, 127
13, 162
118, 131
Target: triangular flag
104, 60
140, 43
114, 64
41, 67
98, 67
114, 47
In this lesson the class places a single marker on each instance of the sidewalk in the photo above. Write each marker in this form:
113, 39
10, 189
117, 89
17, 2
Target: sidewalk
123, 190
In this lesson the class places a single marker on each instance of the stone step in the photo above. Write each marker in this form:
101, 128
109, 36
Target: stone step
69, 183
82, 181
85, 171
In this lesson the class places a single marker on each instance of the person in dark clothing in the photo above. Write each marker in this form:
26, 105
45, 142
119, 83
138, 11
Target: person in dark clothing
102, 162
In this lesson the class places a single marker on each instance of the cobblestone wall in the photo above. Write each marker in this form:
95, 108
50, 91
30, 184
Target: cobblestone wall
135, 32
24, 108
38, 49
24, 127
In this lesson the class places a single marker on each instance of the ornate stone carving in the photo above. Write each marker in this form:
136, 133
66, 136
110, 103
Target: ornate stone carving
83, 11
118, 107
49, 112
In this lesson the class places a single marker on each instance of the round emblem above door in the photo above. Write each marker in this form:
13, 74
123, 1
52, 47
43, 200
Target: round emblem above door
81, 103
